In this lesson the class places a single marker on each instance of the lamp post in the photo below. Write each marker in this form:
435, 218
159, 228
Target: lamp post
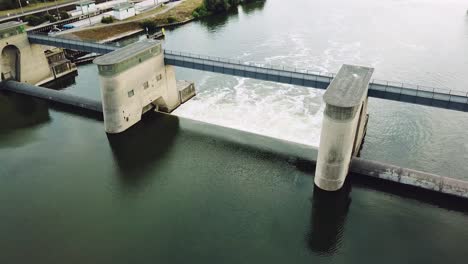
87, 9
56, 8
47, 9
81, 5
19, 2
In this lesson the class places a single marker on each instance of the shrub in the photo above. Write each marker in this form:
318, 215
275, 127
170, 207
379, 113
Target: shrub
64, 15
34, 20
201, 11
171, 20
107, 20
51, 18
149, 24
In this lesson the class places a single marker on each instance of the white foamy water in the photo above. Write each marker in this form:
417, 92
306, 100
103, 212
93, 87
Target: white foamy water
281, 111
277, 110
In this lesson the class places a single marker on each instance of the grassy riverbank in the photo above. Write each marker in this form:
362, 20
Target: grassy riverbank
179, 13
32, 7
103, 33
185, 11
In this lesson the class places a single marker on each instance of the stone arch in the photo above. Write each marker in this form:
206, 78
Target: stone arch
10, 63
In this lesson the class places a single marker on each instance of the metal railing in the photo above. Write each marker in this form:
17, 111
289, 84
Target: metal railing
251, 64
412, 93
375, 83
43, 28
72, 44
453, 99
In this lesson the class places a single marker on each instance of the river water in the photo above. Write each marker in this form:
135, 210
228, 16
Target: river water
177, 190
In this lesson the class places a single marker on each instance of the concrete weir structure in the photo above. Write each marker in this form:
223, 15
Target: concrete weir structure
23, 61
344, 125
135, 79
20, 60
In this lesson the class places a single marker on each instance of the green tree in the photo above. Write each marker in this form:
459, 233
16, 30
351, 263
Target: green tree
34, 20
107, 20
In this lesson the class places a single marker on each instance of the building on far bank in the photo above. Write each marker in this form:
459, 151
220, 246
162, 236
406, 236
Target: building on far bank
86, 7
123, 11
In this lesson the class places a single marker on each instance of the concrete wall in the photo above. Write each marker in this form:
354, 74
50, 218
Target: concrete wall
124, 13
410, 177
361, 128
344, 125
127, 93
336, 146
85, 9
33, 62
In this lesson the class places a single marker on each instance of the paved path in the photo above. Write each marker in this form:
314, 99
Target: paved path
85, 24
6, 18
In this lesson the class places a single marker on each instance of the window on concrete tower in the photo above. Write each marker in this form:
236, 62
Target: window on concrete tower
131, 93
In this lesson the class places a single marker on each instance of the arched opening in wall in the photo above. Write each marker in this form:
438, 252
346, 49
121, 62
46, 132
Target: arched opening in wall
10, 63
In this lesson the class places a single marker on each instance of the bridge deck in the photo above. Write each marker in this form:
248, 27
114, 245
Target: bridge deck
71, 44
409, 93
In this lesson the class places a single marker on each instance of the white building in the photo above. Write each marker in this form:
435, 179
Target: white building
123, 11
95, 9
86, 7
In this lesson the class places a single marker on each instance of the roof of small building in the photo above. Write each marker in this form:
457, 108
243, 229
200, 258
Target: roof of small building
123, 6
126, 52
349, 86
10, 24
86, 2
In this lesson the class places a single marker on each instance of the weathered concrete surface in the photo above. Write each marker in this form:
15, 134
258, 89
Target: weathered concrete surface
343, 125
134, 78
349, 87
410, 177
32, 62
186, 90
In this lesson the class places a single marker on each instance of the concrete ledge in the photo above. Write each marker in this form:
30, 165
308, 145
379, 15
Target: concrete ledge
375, 169
410, 177
52, 95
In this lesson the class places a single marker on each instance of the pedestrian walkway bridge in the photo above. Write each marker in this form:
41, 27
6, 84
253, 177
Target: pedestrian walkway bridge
415, 94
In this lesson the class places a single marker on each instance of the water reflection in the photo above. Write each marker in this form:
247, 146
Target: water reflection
138, 150
328, 220
216, 22
62, 82
252, 7
17, 114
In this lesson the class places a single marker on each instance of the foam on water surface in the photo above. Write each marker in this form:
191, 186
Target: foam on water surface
277, 110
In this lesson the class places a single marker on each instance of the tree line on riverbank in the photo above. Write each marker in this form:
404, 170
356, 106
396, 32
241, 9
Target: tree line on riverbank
51, 16
182, 13
13, 4
210, 7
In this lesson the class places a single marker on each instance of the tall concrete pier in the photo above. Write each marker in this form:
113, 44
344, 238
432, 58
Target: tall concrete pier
134, 79
344, 125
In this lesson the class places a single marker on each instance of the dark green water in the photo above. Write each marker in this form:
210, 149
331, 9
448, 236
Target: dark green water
172, 190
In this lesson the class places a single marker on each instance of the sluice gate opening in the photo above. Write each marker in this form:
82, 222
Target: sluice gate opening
11, 63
